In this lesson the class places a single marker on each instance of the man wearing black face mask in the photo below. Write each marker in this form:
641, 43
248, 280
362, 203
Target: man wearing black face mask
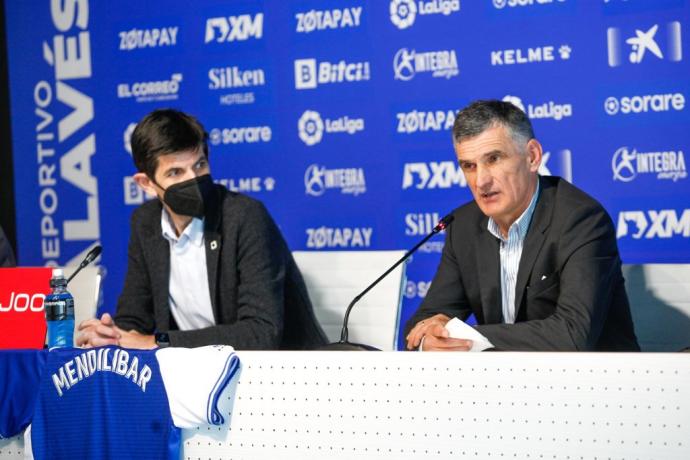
206, 266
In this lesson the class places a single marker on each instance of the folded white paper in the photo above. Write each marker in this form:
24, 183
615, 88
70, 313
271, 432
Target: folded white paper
458, 329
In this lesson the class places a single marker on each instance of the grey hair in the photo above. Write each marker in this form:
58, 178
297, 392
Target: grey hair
485, 114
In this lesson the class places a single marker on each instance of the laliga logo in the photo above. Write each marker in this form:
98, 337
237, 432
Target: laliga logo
516, 101
310, 127
622, 165
127, 137
403, 13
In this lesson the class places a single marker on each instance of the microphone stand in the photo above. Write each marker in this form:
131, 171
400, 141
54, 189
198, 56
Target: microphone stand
90, 257
344, 344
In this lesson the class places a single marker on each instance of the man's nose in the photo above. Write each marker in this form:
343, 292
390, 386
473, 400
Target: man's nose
484, 177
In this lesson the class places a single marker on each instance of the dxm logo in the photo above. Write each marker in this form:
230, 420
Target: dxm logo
404, 12
500, 4
147, 91
311, 127
442, 174
441, 64
234, 28
318, 179
628, 163
309, 73
546, 110
241, 135
315, 20
147, 38
418, 121
645, 43
644, 103
339, 237
530, 55
653, 224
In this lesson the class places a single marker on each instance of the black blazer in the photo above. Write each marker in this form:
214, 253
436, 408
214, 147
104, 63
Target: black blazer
569, 293
257, 292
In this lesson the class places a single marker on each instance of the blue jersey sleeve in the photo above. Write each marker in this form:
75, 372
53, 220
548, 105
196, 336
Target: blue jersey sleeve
20, 374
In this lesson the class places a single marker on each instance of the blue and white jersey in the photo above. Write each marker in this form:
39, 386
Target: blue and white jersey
20, 378
112, 403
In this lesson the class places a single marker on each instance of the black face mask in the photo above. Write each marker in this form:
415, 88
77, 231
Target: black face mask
191, 197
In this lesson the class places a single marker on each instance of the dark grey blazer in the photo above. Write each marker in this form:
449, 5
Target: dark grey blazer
258, 295
570, 292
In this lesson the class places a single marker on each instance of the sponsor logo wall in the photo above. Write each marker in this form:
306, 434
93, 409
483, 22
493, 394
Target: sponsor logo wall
339, 116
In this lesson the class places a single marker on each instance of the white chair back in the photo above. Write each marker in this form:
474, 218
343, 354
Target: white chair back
86, 290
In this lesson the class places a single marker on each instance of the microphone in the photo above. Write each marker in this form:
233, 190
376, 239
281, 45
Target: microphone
344, 344
90, 257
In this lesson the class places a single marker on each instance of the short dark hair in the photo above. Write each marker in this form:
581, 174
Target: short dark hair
162, 132
484, 114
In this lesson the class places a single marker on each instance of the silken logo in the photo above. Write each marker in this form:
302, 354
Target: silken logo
628, 163
644, 103
318, 179
441, 64
339, 237
311, 126
530, 55
563, 160
433, 175
652, 224
309, 73
147, 38
644, 44
545, 110
404, 12
317, 20
234, 28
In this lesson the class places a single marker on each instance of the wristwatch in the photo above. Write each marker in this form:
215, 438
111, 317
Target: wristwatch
162, 339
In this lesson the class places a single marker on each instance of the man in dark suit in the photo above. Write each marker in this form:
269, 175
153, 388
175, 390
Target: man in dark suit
534, 258
205, 265
6, 253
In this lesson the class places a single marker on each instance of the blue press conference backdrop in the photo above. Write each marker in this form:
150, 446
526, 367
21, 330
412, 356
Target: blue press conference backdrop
337, 114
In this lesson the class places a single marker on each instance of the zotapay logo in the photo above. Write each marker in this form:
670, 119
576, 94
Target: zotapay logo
338, 18
234, 28
238, 79
147, 38
627, 164
147, 91
311, 126
441, 64
404, 12
644, 44
318, 179
339, 237
432, 175
549, 110
531, 55
644, 103
419, 121
309, 73
240, 135
652, 224
500, 4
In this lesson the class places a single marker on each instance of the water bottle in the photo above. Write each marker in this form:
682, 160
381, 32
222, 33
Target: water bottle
59, 307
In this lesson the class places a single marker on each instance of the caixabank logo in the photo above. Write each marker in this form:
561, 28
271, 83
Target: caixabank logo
404, 13
629, 163
310, 73
311, 127
653, 224
319, 20
440, 64
647, 44
319, 179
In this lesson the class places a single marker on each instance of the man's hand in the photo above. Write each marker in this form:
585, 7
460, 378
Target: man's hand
98, 332
433, 333
134, 339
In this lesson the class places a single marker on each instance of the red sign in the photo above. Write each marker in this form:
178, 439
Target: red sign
22, 319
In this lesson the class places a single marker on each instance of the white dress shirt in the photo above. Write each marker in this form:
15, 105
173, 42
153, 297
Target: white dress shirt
189, 295
511, 252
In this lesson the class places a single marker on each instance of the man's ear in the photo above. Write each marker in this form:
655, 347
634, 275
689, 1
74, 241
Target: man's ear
145, 183
534, 154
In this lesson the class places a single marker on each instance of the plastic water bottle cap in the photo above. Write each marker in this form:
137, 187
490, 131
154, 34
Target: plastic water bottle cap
57, 273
